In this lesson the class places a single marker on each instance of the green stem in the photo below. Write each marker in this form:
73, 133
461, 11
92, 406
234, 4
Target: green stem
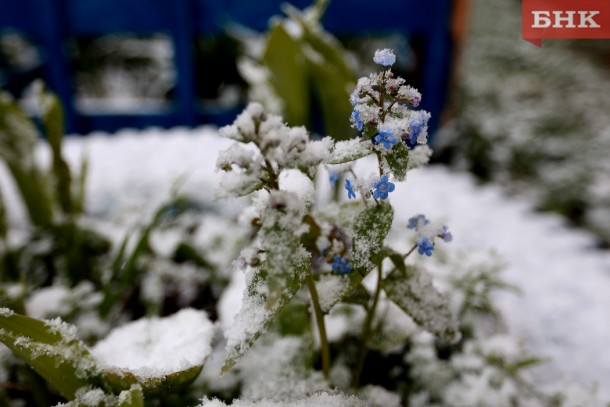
366, 330
324, 346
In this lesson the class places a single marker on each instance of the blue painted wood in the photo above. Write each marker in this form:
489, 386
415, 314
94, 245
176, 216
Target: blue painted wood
49, 23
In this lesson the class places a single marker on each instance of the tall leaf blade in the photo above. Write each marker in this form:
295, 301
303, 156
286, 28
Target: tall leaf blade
18, 138
51, 348
53, 119
289, 74
413, 291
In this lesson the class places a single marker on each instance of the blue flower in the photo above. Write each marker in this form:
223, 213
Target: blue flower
417, 221
333, 177
445, 234
417, 126
384, 57
386, 137
341, 265
357, 120
382, 188
425, 246
350, 189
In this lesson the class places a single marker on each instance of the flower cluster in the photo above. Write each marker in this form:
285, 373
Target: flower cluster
266, 147
384, 114
382, 108
427, 233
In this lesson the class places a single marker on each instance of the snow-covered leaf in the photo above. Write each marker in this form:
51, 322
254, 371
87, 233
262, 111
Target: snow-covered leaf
95, 397
370, 229
413, 291
398, 161
51, 348
159, 354
262, 304
349, 150
316, 400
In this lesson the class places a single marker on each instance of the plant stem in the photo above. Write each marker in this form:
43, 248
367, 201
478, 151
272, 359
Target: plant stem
324, 346
366, 330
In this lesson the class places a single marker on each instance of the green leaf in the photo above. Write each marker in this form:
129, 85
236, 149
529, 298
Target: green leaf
96, 397
332, 81
53, 120
18, 138
284, 59
262, 304
398, 161
51, 348
413, 291
370, 230
342, 286
122, 380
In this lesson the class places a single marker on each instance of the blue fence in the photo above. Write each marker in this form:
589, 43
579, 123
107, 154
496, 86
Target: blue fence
50, 23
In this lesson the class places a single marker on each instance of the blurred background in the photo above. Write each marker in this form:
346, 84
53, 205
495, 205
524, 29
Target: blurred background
536, 121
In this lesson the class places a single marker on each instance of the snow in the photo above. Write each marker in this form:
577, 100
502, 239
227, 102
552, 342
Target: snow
156, 347
561, 314
321, 399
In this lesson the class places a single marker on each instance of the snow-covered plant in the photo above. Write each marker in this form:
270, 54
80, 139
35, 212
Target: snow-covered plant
330, 248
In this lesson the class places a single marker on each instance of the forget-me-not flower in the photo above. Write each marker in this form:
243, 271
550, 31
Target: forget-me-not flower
382, 188
386, 137
425, 246
384, 57
417, 221
350, 189
341, 265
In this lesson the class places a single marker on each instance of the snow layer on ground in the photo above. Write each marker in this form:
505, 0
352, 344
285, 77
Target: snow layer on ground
561, 314
156, 347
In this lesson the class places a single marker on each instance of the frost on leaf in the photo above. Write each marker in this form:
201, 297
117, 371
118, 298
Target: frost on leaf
316, 400
51, 348
348, 151
398, 161
370, 229
414, 292
264, 298
284, 264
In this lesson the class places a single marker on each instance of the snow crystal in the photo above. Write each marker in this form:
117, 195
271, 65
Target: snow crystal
153, 347
6, 312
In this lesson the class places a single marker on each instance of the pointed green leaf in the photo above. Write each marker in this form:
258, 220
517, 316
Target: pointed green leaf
120, 380
51, 348
413, 291
53, 120
288, 74
398, 161
18, 138
262, 304
370, 229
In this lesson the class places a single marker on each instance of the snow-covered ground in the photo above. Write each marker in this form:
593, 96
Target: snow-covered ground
563, 312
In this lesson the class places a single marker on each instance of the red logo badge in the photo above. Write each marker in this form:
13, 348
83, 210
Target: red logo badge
564, 19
